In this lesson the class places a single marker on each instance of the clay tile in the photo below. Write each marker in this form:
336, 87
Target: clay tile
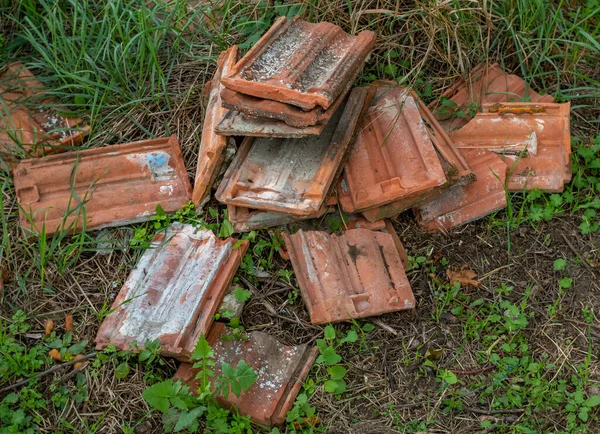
510, 129
29, 124
292, 176
115, 185
173, 292
210, 154
485, 84
301, 63
353, 275
280, 369
393, 156
464, 203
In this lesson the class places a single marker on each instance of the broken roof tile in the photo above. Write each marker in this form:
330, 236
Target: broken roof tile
210, 154
29, 121
116, 185
280, 369
486, 84
173, 292
541, 128
301, 63
353, 275
292, 176
392, 157
464, 203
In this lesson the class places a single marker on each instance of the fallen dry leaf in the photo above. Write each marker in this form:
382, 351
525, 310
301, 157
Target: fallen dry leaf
48, 327
69, 323
55, 354
78, 364
307, 422
465, 276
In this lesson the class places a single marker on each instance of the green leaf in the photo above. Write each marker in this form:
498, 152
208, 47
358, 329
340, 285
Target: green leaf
336, 372
329, 332
245, 375
583, 414
368, 327
242, 294
335, 386
592, 401
226, 229
11, 398
203, 350
157, 395
187, 418
565, 282
351, 337
560, 264
448, 376
448, 103
77, 348
122, 371
329, 357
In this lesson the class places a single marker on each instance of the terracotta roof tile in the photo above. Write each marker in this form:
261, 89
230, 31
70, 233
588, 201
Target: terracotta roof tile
464, 203
119, 184
353, 275
173, 292
292, 176
280, 369
210, 154
301, 63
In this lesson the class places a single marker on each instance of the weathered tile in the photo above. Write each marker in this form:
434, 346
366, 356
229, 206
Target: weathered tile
464, 203
392, 157
212, 146
116, 185
292, 176
301, 63
29, 122
173, 292
542, 128
485, 84
280, 369
353, 275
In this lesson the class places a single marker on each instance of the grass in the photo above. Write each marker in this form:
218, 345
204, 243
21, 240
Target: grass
136, 70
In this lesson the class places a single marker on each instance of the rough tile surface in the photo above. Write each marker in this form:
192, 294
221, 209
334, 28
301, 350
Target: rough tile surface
292, 176
301, 63
392, 157
212, 146
280, 369
541, 128
173, 292
353, 275
117, 185
464, 203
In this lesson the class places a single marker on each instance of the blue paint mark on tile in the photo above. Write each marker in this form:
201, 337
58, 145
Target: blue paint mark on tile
156, 160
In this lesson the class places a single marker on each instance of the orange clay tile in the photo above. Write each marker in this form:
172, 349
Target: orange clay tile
464, 203
392, 157
173, 292
280, 369
485, 84
237, 123
118, 184
210, 154
301, 63
28, 122
353, 275
541, 128
292, 176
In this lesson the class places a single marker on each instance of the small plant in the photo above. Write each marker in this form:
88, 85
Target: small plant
329, 357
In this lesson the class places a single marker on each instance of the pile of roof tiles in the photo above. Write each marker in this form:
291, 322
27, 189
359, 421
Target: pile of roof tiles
309, 143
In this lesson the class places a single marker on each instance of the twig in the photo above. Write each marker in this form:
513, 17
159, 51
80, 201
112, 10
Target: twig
48, 371
473, 371
583, 261
498, 411
385, 327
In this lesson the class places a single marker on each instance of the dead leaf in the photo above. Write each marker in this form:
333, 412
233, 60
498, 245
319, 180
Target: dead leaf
307, 422
78, 364
55, 354
48, 327
465, 276
69, 323
433, 354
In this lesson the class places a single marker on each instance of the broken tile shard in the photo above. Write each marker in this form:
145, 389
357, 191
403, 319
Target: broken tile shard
485, 84
30, 124
212, 146
461, 204
301, 63
353, 275
115, 185
510, 129
173, 292
292, 176
280, 369
392, 157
